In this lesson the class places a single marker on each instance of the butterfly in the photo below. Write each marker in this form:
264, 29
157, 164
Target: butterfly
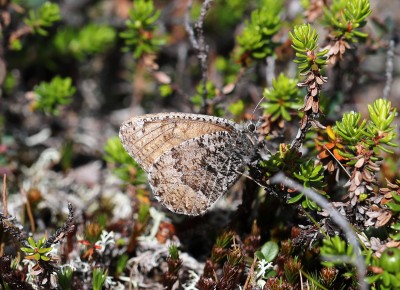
191, 160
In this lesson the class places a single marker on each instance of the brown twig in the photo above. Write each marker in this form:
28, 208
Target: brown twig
5, 195
313, 83
24, 30
29, 211
2, 245
251, 274
198, 42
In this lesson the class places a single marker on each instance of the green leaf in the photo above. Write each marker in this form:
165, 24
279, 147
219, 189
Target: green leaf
393, 206
44, 250
44, 258
396, 197
27, 250
295, 198
32, 242
269, 251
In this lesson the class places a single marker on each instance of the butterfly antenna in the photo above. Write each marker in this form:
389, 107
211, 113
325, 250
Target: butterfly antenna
258, 104
254, 111
251, 178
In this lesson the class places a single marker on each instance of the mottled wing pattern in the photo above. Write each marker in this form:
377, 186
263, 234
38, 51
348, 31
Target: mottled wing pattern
191, 177
147, 137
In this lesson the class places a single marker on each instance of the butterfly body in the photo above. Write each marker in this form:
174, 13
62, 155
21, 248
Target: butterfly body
191, 160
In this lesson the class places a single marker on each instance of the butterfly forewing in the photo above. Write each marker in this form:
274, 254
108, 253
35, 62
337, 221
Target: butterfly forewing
146, 137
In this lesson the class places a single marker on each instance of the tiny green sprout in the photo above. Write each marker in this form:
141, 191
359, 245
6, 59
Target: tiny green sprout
10, 83
166, 90
15, 262
362, 197
350, 128
234, 256
333, 248
374, 133
224, 240
282, 99
121, 264
15, 44
237, 108
347, 17
221, 244
256, 38
43, 18
123, 165
305, 43
174, 263
228, 68
49, 96
36, 250
291, 269
65, 275
380, 128
173, 252
198, 100
139, 34
143, 213
88, 40
311, 176
227, 13
99, 277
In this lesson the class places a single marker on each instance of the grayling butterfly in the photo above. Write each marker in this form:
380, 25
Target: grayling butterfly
191, 160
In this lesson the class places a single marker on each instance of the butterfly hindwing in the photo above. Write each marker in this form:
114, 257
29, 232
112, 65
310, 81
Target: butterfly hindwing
191, 177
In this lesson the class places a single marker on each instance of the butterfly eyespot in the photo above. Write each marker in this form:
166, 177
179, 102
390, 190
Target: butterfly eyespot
251, 127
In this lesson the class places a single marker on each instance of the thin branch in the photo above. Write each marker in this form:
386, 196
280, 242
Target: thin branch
389, 69
338, 162
5, 210
189, 28
29, 211
251, 274
198, 42
62, 232
336, 217
2, 244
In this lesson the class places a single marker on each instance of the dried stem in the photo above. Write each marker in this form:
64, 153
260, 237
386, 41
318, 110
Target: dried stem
389, 69
29, 211
5, 195
313, 83
250, 275
2, 244
336, 217
198, 42
62, 232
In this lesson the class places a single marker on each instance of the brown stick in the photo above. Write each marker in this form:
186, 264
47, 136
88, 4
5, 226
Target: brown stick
5, 195
2, 245
29, 211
